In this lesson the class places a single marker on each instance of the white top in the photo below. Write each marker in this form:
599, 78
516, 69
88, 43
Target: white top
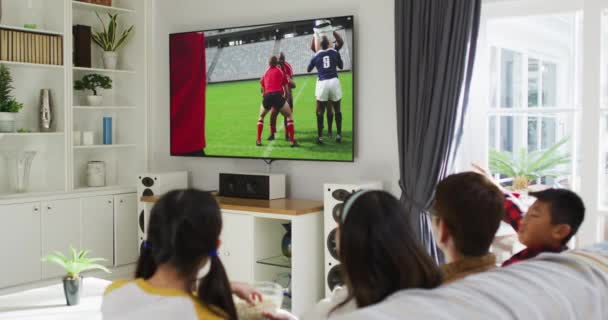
572, 285
138, 300
322, 310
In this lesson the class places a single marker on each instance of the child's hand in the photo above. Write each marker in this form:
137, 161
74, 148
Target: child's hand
279, 315
246, 292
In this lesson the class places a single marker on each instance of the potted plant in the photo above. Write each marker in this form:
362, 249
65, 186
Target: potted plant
528, 166
74, 265
8, 105
93, 82
108, 41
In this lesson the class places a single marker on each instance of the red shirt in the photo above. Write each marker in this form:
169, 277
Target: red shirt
273, 80
287, 70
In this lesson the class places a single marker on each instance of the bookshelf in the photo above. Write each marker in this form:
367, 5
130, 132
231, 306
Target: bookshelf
59, 166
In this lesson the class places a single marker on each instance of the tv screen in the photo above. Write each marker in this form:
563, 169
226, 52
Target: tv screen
273, 91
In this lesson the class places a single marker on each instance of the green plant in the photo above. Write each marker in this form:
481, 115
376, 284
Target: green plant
530, 165
107, 39
7, 101
93, 82
24, 130
76, 263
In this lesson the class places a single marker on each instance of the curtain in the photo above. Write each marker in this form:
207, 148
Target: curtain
435, 50
188, 84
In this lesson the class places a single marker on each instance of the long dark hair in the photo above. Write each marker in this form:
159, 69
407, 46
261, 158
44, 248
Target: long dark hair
184, 228
378, 250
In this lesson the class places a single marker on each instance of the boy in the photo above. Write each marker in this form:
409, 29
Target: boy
550, 223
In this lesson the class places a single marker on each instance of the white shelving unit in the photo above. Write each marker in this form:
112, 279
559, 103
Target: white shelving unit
96, 7
59, 166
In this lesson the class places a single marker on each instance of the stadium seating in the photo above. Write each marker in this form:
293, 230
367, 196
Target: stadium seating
250, 61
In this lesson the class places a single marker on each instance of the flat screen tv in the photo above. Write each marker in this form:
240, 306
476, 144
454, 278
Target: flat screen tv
273, 91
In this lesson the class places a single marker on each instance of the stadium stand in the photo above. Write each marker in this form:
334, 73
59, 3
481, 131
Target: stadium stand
249, 61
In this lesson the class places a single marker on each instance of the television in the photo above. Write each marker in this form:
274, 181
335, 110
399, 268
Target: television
277, 91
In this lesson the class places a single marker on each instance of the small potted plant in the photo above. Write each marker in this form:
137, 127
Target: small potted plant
528, 166
74, 265
8, 105
93, 82
108, 41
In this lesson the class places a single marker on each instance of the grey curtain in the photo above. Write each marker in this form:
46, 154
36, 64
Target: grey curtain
435, 50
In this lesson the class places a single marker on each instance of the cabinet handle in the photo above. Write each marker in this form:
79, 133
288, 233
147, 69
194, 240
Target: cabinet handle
35, 210
122, 201
110, 201
49, 208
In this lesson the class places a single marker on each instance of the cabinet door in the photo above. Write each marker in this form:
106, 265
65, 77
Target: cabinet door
236, 250
19, 243
98, 227
125, 229
60, 231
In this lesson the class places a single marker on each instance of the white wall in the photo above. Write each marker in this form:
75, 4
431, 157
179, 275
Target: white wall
376, 137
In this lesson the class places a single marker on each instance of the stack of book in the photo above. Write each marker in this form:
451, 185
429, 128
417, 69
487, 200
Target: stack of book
30, 47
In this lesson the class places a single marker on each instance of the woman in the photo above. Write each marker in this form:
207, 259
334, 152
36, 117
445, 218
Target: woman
379, 256
183, 237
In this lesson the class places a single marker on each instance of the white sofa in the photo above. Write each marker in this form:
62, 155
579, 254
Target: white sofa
571, 285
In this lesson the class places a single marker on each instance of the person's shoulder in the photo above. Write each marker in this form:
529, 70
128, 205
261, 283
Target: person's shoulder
207, 312
116, 285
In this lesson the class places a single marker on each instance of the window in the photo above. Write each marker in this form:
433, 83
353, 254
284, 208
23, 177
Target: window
541, 76
532, 90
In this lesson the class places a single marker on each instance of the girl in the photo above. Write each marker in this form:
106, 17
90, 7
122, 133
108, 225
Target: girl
379, 256
183, 237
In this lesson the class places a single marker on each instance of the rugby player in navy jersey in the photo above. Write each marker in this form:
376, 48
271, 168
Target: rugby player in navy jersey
327, 61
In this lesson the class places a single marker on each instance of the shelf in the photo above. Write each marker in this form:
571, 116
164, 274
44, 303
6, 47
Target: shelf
104, 108
107, 188
93, 7
103, 70
278, 261
105, 146
31, 134
41, 31
32, 65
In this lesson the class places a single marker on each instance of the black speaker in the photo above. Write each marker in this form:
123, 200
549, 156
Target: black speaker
252, 186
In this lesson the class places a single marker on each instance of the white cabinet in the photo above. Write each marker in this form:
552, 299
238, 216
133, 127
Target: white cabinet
19, 243
98, 227
125, 229
60, 223
236, 250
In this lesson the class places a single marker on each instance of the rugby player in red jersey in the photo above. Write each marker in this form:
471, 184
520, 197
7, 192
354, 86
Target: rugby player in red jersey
288, 72
273, 89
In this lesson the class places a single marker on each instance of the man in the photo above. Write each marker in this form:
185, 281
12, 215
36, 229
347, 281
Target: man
288, 72
328, 89
324, 28
273, 89
466, 214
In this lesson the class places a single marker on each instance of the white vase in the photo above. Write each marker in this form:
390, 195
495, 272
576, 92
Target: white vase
7, 121
110, 59
19, 164
94, 100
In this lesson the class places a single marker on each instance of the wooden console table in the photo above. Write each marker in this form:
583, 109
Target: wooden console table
294, 207
251, 244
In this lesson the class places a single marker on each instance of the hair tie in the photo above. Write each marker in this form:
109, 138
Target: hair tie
349, 202
213, 253
147, 245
